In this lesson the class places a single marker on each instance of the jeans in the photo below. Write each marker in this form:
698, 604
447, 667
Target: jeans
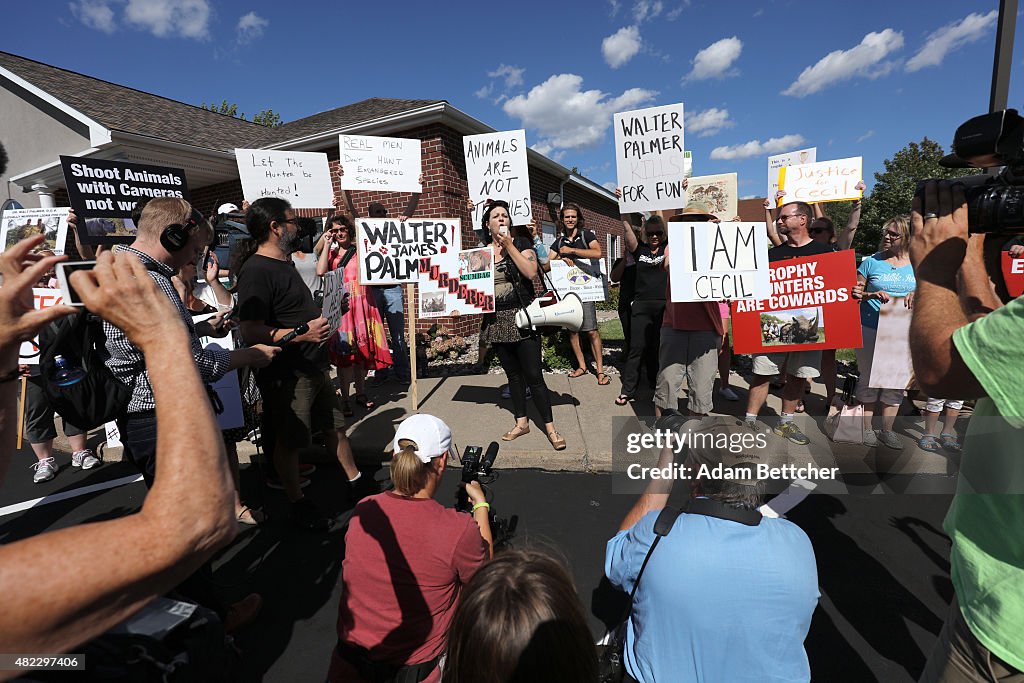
391, 305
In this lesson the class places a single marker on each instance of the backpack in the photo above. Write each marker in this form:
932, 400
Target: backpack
99, 397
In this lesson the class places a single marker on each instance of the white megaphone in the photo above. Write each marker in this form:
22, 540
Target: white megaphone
548, 310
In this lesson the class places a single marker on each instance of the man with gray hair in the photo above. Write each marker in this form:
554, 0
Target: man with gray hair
728, 595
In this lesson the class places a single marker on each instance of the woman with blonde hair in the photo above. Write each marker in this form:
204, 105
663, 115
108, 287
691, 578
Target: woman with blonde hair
882, 277
407, 558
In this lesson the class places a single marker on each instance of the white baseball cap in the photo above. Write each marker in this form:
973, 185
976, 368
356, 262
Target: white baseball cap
430, 434
227, 208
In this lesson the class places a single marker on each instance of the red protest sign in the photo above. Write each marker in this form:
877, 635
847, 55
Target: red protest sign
810, 308
1013, 274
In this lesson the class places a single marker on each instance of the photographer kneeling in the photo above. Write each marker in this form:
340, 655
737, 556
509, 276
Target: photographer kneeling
406, 560
965, 342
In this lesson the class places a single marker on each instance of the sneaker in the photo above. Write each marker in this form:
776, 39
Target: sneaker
46, 469
870, 438
728, 394
789, 430
506, 393
754, 426
276, 484
254, 436
890, 439
85, 459
305, 515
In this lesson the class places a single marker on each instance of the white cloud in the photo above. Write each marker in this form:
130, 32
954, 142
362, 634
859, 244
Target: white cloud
565, 117
513, 75
646, 9
750, 196
708, 122
485, 92
95, 14
621, 46
615, 6
673, 14
610, 185
869, 134
171, 18
865, 59
970, 29
251, 26
756, 148
715, 60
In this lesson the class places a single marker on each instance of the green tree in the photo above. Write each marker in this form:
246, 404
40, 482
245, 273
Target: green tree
267, 117
894, 190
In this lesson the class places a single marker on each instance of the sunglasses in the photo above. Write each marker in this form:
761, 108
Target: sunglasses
656, 233
818, 231
892, 235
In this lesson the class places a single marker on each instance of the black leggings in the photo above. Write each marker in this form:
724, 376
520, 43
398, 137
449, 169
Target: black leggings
521, 362
644, 344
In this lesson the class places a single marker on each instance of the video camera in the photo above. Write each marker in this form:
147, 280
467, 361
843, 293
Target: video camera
477, 466
995, 204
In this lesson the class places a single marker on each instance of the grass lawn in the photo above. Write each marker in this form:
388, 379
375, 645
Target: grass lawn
611, 331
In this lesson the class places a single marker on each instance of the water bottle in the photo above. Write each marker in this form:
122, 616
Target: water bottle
64, 374
542, 251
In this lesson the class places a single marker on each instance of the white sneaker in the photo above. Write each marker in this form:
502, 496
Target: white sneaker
85, 459
46, 469
728, 394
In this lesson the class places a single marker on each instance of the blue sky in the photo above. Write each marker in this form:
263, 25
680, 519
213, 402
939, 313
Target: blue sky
756, 78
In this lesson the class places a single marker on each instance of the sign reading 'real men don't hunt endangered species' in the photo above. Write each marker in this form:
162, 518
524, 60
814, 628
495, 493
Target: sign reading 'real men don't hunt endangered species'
649, 158
390, 250
98, 188
380, 164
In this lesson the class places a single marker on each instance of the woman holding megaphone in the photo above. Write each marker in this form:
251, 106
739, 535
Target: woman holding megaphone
515, 266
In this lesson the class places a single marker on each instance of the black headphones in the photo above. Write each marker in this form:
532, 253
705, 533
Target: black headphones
175, 236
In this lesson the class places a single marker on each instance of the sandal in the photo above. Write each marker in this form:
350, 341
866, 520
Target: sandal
603, 379
556, 440
365, 402
950, 442
928, 442
515, 433
578, 372
256, 517
623, 400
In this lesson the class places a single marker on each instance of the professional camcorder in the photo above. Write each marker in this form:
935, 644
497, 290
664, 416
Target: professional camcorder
477, 466
995, 204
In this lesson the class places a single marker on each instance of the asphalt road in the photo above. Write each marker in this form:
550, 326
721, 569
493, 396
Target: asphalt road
882, 562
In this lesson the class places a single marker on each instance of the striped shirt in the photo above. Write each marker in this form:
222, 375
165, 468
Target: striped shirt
126, 360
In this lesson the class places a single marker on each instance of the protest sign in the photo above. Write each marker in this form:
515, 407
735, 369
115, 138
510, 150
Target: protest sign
113, 435
717, 192
19, 224
775, 163
810, 307
303, 178
891, 365
1013, 274
390, 250
457, 282
716, 261
588, 282
496, 168
824, 181
103, 193
381, 164
42, 298
334, 295
227, 388
687, 164
649, 158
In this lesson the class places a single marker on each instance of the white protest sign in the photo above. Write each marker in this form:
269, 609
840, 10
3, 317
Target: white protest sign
458, 282
687, 164
334, 295
891, 363
496, 168
19, 224
303, 178
381, 164
227, 387
824, 181
775, 163
113, 435
42, 298
649, 158
589, 284
715, 261
718, 192
390, 250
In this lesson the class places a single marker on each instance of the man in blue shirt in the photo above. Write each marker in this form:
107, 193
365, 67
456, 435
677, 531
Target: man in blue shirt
727, 595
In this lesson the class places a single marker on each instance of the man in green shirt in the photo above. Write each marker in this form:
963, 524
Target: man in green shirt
965, 342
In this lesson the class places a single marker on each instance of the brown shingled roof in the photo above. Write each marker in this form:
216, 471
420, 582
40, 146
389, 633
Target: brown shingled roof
367, 110
133, 111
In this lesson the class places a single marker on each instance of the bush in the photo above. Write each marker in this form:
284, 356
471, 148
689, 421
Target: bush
612, 302
556, 352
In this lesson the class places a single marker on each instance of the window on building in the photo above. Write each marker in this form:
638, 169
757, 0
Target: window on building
612, 252
548, 233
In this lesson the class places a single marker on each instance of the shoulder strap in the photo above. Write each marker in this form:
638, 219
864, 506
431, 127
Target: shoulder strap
347, 257
662, 526
713, 508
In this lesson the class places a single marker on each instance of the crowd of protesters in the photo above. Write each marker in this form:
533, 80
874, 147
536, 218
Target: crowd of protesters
425, 598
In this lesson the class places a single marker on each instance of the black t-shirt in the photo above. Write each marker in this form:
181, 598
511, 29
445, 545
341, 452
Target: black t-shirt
788, 251
272, 292
583, 240
651, 278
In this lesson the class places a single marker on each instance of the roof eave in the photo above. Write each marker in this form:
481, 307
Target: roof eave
98, 133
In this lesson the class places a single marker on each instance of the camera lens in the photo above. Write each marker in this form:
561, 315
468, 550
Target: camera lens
995, 209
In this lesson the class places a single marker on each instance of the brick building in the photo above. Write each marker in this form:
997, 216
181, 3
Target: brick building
50, 111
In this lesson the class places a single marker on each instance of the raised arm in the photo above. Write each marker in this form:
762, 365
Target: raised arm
773, 233
414, 201
845, 241
111, 569
627, 226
